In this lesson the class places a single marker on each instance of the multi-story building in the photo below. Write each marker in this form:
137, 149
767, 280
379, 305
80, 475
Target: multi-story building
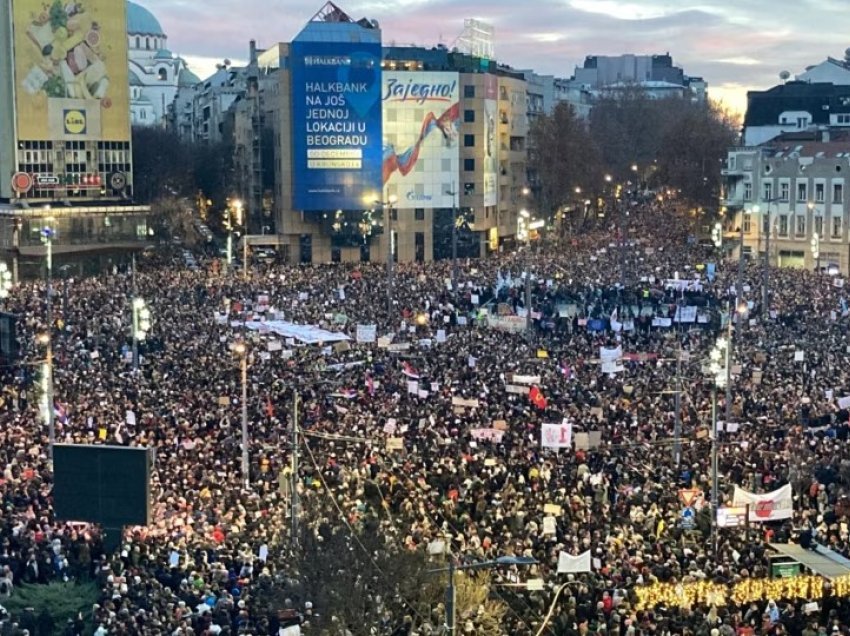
794, 107
65, 132
423, 138
654, 74
788, 190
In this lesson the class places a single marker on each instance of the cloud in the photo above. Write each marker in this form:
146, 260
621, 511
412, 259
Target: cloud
734, 45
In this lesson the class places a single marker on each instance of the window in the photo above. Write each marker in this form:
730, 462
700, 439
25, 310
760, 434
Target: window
469, 188
819, 192
802, 191
801, 225
768, 191
783, 225
783, 191
163, 75
748, 223
469, 141
469, 116
802, 122
837, 192
818, 225
748, 192
138, 44
765, 224
469, 165
394, 214
836, 227
842, 119
418, 214
148, 44
469, 91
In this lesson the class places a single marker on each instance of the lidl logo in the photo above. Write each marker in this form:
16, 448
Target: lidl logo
75, 122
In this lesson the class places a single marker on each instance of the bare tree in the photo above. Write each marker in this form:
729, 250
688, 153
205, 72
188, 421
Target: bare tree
563, 157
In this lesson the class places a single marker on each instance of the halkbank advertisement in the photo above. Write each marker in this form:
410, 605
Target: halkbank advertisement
421, 150
336, 125
71, 70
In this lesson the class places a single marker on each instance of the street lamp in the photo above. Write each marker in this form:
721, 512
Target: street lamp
717, 235
241, 351
451, 608
719, 369
141, 327
816, 250
47, 236
5, 280
388, 212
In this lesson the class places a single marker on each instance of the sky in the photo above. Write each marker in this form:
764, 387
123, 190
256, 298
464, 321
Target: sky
735, 45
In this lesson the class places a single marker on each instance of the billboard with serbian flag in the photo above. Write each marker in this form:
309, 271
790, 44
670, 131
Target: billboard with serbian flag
421, 154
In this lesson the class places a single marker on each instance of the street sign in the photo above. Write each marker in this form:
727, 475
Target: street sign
687, 518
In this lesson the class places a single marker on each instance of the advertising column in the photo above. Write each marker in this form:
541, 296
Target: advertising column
336, 128
421, 155
71, 70
491, 151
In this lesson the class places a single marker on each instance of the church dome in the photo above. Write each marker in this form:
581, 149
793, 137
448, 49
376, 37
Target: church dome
140, 21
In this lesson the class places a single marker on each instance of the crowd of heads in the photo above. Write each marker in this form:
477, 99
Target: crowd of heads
215, 547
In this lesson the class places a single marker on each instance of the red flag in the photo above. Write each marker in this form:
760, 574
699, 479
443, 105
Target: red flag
269, 407
370, 384
537, 398
408, 370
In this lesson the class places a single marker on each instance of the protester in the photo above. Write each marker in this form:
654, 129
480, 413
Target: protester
197, 567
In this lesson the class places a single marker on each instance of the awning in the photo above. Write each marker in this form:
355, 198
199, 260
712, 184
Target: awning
821, 560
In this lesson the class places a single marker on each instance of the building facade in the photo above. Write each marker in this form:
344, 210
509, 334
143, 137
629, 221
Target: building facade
656, 75
795, 107
789, 191
155, 73
428, 139
65, 130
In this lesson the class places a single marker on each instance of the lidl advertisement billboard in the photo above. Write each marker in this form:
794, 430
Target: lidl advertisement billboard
421, 150
491, 154
336, 124
71, 70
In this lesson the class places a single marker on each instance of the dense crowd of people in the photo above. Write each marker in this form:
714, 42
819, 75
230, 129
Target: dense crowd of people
215, 548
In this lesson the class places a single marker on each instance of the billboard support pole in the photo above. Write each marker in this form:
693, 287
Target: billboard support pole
454, 193
389, 208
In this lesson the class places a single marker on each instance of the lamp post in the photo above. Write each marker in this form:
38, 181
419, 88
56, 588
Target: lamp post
47, 236
388, 227
719, 369
242, 352
5, 280
454, 193
141, 326
815, 242
451, 608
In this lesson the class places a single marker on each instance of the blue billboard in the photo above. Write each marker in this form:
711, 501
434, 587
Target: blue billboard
336, 124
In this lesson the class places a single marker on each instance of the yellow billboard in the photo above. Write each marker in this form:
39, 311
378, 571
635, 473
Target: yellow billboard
71, 69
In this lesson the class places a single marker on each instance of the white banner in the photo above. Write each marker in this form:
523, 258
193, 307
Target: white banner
769, 506
459, 401
686, 314
487, 434
524, 379
367, 333
569, 563
556, 435
610, 355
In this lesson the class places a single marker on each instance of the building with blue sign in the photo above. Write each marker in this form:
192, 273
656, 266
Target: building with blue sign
418, 139
336, 114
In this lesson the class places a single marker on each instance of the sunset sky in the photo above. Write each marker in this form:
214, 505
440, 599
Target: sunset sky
734, 45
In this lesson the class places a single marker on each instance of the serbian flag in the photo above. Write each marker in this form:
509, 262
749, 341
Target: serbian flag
370, 385
348, 394
537, 398
409, 371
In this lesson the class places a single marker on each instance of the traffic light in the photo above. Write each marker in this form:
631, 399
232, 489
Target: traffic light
717, 235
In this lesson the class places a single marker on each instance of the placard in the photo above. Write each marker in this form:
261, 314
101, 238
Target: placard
395, 443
